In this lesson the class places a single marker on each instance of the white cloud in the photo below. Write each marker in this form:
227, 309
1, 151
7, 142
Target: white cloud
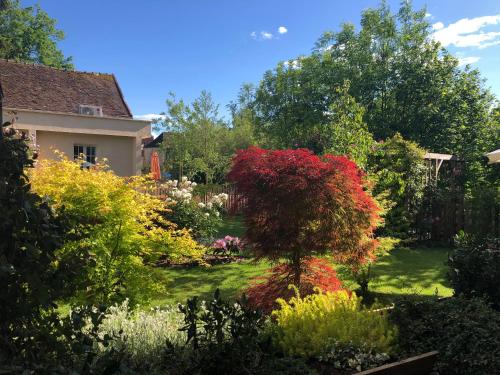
468, 32
428, 15
266, 35
438, 26
150, 117
262, 35
467, 60
282, 30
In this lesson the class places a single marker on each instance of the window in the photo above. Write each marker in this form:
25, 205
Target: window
84, 152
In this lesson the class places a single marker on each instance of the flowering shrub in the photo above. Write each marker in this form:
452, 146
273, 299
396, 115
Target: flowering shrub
227, 246
301, 204
306, 326
202, 219
265, 290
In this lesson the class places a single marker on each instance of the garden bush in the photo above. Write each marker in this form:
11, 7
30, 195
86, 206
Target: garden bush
466, 332
203, 220
474, 267
265, 290
200, 337
350, 357
224, 338
142, 337
114, 227
308, 326
31, 280
398, 169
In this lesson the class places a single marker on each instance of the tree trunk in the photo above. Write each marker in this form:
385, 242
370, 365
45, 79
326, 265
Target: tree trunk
296, 269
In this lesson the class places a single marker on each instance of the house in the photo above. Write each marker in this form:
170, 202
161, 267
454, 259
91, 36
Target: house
75, 113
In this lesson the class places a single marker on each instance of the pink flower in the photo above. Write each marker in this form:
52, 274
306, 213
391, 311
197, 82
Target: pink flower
219, 244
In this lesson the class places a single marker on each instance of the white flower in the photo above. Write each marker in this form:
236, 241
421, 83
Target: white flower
207, 214
210, 205
201, 205
217, 213
184, 178
193, 184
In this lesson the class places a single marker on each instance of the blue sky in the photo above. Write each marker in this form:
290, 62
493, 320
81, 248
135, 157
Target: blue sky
184, 46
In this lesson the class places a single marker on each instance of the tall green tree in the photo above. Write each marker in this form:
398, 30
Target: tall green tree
195, 135
346, 133
242, 132
30, 34
406, 82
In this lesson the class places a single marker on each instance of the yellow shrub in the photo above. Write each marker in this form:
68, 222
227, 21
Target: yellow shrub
114, 225
307, 326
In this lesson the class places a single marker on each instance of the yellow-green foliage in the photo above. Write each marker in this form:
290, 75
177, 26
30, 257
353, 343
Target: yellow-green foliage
114, 225
307, 326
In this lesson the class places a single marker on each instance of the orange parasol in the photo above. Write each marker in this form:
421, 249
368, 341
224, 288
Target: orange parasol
155, 166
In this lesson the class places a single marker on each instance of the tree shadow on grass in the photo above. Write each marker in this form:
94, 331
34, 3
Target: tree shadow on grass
231, 279
412, 271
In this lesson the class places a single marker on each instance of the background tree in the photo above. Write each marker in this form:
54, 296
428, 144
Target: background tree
301, 205
29, 34
346, 133
406, 82
200, 143
243, 133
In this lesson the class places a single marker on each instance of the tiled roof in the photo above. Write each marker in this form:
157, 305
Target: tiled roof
38, 87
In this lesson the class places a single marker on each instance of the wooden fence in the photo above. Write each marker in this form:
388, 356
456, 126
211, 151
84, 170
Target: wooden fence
233, 205
446, 210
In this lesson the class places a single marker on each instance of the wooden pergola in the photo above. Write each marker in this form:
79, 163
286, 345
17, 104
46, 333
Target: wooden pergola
434, 162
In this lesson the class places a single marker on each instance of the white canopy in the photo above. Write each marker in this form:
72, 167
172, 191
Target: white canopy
493, 157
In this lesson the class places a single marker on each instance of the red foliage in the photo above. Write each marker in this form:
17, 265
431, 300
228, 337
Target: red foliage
264, 290
301, 204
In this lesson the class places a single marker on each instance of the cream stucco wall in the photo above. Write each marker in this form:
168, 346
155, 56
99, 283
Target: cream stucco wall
119, 140
119, 151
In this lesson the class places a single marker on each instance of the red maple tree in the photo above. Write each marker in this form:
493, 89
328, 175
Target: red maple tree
301, 205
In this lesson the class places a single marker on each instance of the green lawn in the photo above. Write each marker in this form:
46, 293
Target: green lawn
232, 226
402, 272
420, 270
405, 271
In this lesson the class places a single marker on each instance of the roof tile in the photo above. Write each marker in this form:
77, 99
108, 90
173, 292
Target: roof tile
38, 87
